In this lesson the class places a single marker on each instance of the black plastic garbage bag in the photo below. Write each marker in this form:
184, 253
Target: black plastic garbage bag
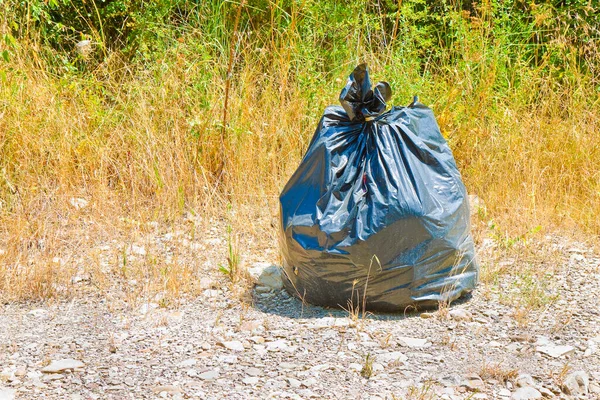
377, 211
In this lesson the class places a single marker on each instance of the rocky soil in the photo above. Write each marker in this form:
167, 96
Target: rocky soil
504, 342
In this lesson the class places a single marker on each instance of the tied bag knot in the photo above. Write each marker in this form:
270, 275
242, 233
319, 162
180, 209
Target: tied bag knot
359, 100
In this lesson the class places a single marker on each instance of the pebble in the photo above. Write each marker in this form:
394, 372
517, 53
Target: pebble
413, 342
271, 277
7, 394
524, 380
166, 389
252, 371
251, 380
58, 366
234, 345
576, 383
276, 345
526, 393
460, 314
554, 350
474, 383
391, 357
295, 383
209, 375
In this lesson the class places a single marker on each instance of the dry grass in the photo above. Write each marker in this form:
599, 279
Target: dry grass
147, 145
498, 372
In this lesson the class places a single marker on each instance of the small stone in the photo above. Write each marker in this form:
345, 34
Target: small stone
474, 383
138, 250
460, 314
576, 383
355, 367
21, 371
504, 393
167, 389
7, 394
546, 392
257, 339
83, 47
252, 371
413, 342
594, 388
250, 326
330, 322
228, 359
450, 380
391, 357
251, 380
309, 382
209, 375
234, 345
271, 277
526, 393
53, 377
58, 366
295, 383
188, 363
524, 380
554, 350
277, 345
77, 202
427, 315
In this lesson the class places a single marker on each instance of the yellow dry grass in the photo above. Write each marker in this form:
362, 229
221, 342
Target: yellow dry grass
145, 145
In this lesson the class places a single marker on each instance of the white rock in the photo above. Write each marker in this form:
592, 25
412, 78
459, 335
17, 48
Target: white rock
84, 47
271, 277
330, 322
413, 342
257, 269
526, 393
138, 250
355, 366
234, 345
251, 380
309, 382
555, 350
228, 359
172, 389
58, 366
188, 363
524, 380
276, 345
78, 203
252, 371
7, 394
504, 393
209, 375
391, 357
576, 383
295, 383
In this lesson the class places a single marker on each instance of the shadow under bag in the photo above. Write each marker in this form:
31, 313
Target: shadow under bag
376, 214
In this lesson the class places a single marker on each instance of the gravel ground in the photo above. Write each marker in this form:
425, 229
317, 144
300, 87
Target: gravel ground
218, 346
